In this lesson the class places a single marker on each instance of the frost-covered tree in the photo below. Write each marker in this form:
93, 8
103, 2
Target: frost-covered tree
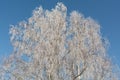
54, 46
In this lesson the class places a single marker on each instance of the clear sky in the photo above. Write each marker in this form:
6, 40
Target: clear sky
105, 12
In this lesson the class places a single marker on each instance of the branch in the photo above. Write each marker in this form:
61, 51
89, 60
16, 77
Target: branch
80, 73
65, 55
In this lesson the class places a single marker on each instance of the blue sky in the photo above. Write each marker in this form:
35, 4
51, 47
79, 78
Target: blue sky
105, 12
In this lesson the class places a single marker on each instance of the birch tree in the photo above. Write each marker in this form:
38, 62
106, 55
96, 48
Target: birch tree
52, 45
